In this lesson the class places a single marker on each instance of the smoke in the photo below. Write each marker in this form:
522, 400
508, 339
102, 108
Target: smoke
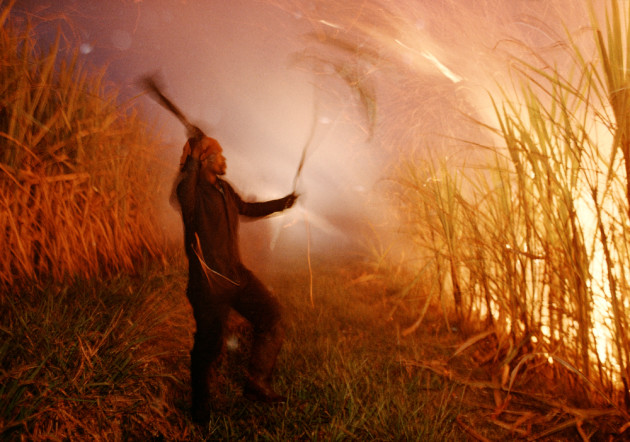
384, 77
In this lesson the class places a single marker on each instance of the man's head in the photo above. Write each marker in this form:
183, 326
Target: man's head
212, 159
210, 155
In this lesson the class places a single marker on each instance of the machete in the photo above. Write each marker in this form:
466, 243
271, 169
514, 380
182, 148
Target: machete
151, 85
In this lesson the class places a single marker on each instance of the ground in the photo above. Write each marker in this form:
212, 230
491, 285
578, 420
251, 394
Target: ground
109, 360
349, 372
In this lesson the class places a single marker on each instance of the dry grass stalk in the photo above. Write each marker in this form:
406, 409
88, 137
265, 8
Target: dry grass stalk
75, 168
530, 239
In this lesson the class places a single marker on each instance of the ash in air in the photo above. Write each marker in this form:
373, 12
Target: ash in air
356, 86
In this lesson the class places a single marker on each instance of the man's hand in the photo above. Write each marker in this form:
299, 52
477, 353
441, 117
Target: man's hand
289, 200
194, 132
196, 148
193, 145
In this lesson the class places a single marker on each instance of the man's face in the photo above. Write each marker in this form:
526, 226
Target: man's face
212, 158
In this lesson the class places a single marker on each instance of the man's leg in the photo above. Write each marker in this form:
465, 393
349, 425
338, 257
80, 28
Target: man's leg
209, 318
262, 309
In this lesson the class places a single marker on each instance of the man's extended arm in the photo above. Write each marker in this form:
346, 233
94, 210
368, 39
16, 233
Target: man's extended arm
256, 210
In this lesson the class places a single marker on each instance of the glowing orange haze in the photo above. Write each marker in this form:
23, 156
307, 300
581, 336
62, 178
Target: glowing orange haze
228, 66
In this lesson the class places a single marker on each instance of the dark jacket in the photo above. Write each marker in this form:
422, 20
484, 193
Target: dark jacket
211, 213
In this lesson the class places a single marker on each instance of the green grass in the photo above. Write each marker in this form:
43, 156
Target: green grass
110, 360
353, 379
80, 359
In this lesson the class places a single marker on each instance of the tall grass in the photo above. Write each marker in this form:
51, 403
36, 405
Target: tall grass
542, 230
529, 232
78, 175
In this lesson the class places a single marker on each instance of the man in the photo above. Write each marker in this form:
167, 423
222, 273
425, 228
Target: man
218, 280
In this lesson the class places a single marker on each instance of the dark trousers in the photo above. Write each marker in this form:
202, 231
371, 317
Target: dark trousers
211, 305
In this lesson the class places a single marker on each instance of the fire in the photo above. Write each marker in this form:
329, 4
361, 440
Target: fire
433, 59
561, 267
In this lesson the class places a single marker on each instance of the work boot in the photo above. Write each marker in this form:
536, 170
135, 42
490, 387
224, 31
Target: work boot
201, 413
259, 390
205, 388
206, 402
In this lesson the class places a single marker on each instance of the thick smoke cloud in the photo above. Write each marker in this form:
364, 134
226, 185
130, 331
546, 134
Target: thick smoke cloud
230, 65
